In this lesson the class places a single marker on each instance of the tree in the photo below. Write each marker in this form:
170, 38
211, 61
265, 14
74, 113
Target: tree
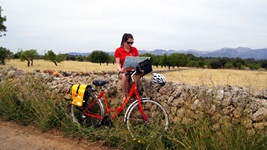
2, 26
81, 58
173, 60
17, 55
201, 63
228, 65
98, 56
223, 61
29, 55
4, 54
181, 60
111, 59
51, 56
254, 66
165, 61
215, 64
70, 57
192, 64
263, 64
155, 60
191, 56
238, 62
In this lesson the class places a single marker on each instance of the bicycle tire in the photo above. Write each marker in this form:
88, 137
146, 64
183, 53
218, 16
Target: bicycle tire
158, 119
78, 116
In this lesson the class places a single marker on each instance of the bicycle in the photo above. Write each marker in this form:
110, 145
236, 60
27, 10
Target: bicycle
142, 114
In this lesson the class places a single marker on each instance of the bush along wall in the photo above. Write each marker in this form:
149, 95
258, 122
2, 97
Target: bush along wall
223, 106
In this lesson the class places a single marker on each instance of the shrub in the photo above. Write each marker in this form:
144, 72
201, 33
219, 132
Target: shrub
228, 65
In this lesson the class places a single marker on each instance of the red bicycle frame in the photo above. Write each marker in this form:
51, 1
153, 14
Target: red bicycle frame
133, 91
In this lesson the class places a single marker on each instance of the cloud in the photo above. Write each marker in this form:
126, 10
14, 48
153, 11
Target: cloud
82, 25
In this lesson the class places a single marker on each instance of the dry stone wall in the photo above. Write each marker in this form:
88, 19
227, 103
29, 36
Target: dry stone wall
223, 105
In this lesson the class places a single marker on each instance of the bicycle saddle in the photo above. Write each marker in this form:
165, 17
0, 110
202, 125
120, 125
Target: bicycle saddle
100, 82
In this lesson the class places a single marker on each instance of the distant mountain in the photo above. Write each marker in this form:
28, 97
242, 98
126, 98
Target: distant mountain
241, 52
78, 54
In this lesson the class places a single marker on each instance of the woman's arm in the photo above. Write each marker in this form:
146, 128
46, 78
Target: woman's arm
118, 64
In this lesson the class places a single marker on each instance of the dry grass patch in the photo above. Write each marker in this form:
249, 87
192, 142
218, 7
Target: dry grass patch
63, 66
210, 77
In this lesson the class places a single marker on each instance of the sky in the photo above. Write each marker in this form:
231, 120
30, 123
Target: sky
86, 25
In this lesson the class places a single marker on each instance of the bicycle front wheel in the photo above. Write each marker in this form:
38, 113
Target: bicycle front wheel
157, 119
79, 117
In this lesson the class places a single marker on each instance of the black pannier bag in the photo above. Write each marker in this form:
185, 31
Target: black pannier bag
144, 67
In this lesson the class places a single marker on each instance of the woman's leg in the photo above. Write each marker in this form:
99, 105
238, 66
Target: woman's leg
124, 83
136, 79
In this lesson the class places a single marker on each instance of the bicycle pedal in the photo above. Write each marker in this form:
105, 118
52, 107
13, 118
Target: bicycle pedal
106, 121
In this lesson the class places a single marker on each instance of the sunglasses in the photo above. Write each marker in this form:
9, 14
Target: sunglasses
130, 43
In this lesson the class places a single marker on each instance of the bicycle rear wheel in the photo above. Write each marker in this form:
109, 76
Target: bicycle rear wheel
79, 117
139, 127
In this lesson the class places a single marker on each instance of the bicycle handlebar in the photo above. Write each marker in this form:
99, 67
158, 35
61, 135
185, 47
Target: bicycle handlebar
136, 70
129, 72
133, 71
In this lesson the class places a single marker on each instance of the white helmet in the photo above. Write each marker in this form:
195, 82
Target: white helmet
158, 78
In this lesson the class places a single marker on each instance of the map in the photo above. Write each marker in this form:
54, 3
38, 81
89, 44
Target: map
133, 61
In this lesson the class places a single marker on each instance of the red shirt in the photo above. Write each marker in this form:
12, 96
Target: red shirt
122, 53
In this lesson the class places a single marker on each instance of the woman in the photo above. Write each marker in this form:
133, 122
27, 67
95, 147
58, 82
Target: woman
125, 49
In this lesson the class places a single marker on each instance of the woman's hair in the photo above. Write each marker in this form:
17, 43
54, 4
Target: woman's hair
125, 37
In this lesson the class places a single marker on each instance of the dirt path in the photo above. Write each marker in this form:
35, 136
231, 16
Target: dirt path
15, 137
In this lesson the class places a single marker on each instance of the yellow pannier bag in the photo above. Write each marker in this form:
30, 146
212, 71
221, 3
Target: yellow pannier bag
78, 91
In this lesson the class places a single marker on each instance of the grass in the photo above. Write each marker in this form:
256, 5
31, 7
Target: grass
27, 102
63, 66
213, 77
210, 77
31, 104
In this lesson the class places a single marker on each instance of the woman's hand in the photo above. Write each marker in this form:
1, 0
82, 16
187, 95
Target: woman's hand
122, 70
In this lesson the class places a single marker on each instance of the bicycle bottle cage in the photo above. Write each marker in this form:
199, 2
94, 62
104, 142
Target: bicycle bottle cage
100, 82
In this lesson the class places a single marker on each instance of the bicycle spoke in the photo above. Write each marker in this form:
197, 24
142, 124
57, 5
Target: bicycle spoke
80, 118
157, 119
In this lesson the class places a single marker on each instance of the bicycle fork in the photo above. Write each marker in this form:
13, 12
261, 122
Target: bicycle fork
140, 108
